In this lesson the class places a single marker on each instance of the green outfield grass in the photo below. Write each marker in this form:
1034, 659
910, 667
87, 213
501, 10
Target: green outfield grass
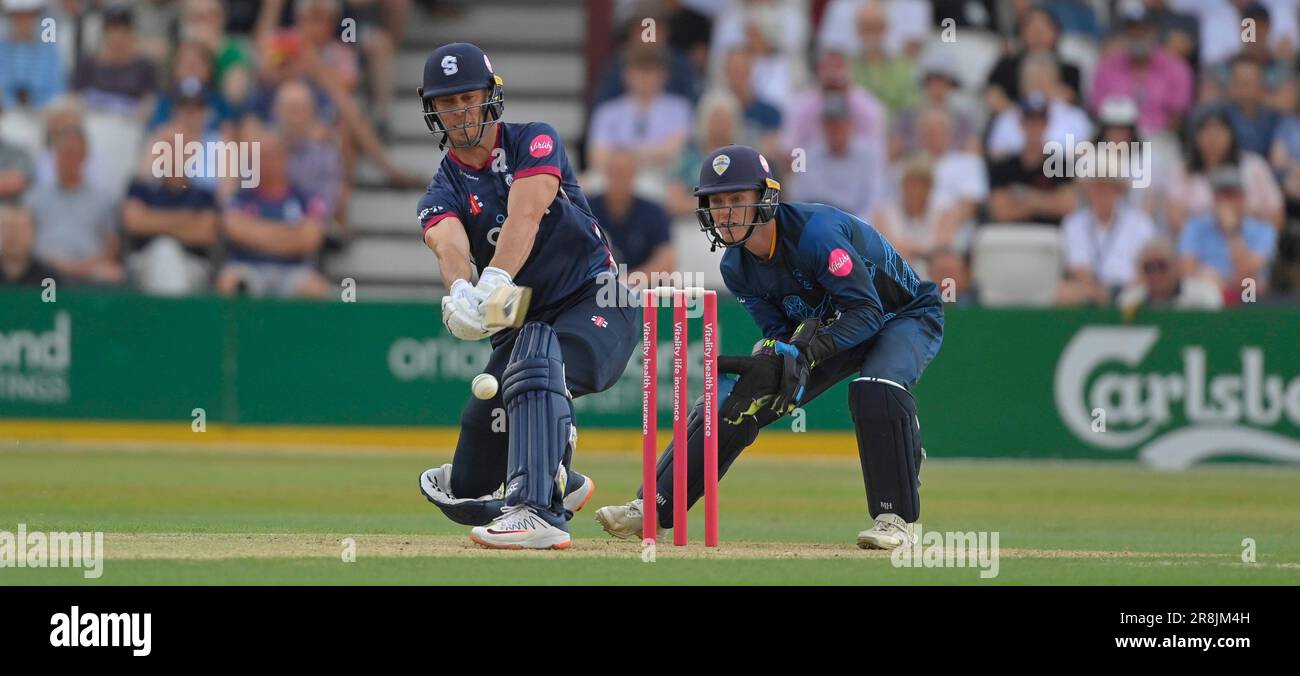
279, 517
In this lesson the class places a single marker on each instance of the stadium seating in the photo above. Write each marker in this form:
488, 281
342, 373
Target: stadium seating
1016, 264
972, 53
118, 140
1082, 52
693, 255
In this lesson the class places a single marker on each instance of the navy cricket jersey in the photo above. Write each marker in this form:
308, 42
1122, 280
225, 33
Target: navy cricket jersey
570, 250
831, 265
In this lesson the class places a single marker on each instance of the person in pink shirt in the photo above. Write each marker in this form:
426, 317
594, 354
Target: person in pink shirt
1160, 82
803, 124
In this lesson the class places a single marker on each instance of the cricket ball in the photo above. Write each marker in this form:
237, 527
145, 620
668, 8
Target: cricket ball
484, 386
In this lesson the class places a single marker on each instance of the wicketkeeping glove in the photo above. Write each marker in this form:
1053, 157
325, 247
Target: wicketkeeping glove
760, 376
805, 349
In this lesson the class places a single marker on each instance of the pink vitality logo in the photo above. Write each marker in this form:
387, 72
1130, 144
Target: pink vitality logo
541, 146
840, 264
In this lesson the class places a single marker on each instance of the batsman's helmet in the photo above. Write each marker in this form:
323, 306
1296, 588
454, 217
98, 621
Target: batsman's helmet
731, 169
452, 69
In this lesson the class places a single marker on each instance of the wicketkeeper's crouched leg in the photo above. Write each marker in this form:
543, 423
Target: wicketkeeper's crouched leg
732, 439
889, 445
885, 414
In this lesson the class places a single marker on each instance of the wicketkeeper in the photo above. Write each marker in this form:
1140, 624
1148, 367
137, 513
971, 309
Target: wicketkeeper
834, 300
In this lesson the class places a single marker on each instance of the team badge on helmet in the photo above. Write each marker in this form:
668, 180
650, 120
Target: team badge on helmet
720, 164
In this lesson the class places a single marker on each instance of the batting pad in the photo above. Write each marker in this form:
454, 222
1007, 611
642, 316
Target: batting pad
540, 416
889, 446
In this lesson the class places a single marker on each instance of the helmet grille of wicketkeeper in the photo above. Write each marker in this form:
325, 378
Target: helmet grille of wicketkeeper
454, 69
732, 169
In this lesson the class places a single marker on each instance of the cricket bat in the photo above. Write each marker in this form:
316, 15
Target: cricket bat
506, 307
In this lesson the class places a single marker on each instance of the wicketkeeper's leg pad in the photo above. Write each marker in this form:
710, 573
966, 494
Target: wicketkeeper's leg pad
889, 446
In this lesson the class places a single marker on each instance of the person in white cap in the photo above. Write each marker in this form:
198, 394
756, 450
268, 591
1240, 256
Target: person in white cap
1102, 239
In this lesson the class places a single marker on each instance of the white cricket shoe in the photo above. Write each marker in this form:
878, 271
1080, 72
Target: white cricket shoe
890, 532
519, 527
625, 521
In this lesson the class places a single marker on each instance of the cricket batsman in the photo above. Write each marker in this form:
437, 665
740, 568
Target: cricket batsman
833, 300
505, 211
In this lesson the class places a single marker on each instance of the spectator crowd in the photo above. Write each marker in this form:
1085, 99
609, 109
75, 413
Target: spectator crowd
930, 119
935, 120
90, 90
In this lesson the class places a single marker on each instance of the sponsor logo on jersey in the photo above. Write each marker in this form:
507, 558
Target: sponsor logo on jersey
541, 146
475, 204
599, 321
720, 164
840, 263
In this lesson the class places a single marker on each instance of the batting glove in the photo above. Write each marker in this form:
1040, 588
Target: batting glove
490, 280
462, 318
464, 290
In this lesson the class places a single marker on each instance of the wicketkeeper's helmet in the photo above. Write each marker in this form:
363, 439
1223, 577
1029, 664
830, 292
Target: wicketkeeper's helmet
732, 169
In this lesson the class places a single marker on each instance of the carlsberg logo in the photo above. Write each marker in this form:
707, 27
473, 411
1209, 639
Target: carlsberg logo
1225, 414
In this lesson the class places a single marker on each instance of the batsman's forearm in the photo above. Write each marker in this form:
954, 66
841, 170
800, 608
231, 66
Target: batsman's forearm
453, 264
515, 244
